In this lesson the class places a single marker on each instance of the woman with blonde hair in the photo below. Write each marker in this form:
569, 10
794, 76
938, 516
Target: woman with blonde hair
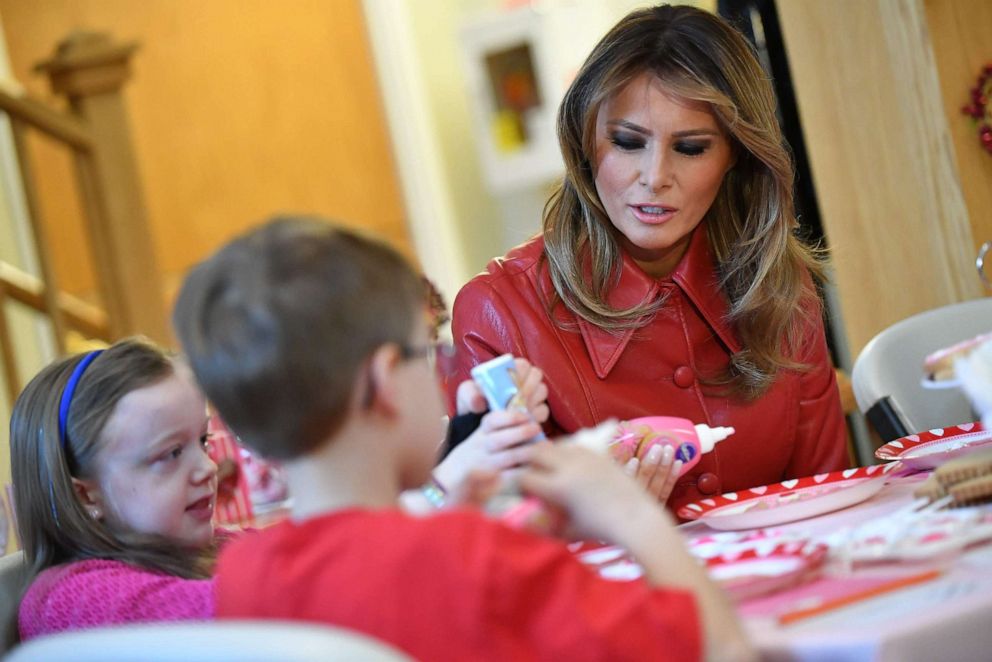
669, 279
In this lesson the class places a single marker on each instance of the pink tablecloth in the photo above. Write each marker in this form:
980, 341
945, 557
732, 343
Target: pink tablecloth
946, 619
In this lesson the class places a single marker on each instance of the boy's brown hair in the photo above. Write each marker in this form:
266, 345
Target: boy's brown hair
278, 323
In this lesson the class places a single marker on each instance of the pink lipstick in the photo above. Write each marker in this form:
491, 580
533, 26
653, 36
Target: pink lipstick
652, 214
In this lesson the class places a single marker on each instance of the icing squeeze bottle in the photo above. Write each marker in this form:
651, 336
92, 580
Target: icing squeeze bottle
689, 441
499, 383
633, 438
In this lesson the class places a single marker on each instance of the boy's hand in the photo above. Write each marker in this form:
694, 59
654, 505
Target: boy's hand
475, 490
605, 504
496, 446
600, 500
469, 398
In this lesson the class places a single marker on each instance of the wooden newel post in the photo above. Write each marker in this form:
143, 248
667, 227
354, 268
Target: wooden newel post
90, 69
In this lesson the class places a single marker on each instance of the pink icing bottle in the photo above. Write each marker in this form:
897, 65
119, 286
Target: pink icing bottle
632, 438
689, 440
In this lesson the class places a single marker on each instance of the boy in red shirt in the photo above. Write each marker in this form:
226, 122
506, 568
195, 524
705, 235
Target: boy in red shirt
312, 343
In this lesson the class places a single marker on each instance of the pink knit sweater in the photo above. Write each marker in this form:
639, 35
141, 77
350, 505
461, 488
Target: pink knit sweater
97, 592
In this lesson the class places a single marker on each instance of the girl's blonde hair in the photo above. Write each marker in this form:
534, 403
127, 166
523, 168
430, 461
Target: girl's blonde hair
53, 524
763, 267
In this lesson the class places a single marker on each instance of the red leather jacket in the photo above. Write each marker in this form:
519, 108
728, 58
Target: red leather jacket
795, 429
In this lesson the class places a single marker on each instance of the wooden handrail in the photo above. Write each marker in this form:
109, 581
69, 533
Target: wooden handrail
64, 310
61, 127
90, 71
30, 291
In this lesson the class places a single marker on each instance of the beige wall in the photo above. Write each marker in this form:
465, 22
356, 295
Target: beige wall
238, 108
960, 31
889, 187
435, 26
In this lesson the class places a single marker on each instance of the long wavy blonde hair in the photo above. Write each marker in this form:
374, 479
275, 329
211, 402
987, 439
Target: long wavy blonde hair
763, 267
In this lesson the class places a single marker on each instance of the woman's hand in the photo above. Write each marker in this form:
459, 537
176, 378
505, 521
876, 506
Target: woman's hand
656, 472
469, 398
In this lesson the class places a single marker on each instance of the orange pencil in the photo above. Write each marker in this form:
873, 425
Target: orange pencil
799, 614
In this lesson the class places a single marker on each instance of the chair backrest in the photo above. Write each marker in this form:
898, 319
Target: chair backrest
887, 374
12, 573
218, 641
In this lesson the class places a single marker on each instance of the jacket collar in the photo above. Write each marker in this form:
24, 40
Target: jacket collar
695, 275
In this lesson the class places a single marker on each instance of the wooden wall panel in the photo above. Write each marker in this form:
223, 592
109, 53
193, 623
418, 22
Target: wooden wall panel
238, 108
960, 31
882, 159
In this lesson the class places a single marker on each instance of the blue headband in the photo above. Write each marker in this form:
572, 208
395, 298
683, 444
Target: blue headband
70, 390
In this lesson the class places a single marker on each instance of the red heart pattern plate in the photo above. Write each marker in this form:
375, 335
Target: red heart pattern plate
790, 500
930, 449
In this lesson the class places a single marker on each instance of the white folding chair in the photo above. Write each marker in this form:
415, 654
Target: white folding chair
887, 374
217, 641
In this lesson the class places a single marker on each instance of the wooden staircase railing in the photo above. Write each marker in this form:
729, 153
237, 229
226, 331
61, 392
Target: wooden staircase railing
90, 70
76, 314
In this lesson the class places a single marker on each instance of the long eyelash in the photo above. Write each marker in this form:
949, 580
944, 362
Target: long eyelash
626, 143
691, 149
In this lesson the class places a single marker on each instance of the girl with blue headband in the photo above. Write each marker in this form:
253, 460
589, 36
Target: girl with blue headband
114, 491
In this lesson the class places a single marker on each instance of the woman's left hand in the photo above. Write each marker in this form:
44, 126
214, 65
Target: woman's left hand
469, 398
657, 471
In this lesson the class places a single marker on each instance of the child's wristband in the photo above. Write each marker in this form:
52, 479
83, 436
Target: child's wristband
435, 493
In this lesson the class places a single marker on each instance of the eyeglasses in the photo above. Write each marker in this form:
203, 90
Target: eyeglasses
411, 352
440, 356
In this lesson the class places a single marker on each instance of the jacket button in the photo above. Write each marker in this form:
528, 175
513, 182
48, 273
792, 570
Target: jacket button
708, 484
684, 378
